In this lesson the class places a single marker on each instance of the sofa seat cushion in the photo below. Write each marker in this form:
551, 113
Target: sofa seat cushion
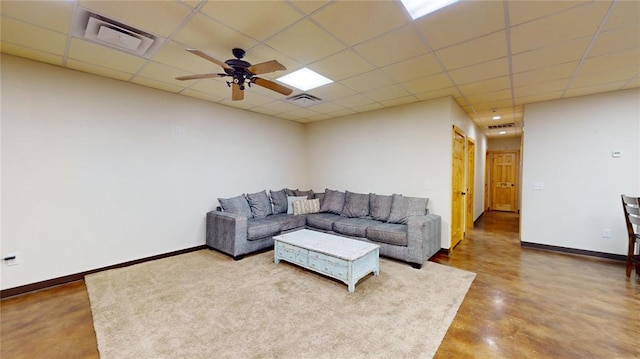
355, 227
390, 233
262, 228
289, 221
322, 221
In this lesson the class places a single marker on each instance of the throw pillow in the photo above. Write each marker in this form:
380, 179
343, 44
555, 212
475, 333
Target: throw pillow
333, 201
290, 200
259, 204
356, 205
319, 196
306, 206
403, 207
380, 207
279, 200
308, 193
236, 205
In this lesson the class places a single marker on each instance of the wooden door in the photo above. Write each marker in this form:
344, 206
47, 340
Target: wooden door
457, 187
504, 181
471, 169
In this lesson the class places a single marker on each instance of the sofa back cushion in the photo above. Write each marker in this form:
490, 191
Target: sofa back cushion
236, 205
356, 205
291, 199
306, 206
333, 201
279, 200
380, 207
259, 204
309, 193
403, 207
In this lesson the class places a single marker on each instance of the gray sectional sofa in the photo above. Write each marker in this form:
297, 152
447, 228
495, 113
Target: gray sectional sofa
401, 225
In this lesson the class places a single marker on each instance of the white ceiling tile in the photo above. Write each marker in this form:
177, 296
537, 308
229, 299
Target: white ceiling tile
594, 89
295, 40
103, 56
164, 73
460, 22
420, 66
545, 74
489, 47
523, 11
357, 21
341, 65
387, 93
611, 61
550, 56
209, 36
542, 88
607, 75
332, 91
23, 34
559, 27
53, 15
354, 101
480, 72
619, 39
251, 18
499, 83
29, 53
624, 13
392, 47
444, 92
309, 6
368, 81
428, 83
98, 70
176, 55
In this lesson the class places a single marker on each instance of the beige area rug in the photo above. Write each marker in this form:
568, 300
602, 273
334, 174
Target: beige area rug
205, 305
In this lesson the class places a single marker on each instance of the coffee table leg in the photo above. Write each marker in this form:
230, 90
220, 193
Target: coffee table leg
352, 287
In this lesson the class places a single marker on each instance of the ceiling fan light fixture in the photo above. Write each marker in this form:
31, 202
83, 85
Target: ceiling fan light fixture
304, 79
419, 8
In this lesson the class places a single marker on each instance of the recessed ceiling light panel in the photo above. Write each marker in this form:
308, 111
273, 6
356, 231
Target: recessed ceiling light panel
496, 117
304, 79
419, 8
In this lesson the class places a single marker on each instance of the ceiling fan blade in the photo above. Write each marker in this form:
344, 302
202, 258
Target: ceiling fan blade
272, 86
266, 67
236, 93
201, 76
209, 58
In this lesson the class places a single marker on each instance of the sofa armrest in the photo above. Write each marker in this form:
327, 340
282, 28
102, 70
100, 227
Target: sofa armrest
227, 232
424, 237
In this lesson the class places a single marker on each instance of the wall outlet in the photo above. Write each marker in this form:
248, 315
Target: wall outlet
11, 259
606, 233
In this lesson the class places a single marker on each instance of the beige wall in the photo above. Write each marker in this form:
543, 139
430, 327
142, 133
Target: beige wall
94, 172
567, 149
405, 149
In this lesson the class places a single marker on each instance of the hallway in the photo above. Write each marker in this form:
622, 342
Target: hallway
529, 303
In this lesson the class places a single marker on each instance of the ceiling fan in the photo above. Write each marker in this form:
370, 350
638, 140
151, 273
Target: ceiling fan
242, 73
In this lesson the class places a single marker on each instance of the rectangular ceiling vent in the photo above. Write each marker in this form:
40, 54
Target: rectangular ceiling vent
504, 125
104, 31
304, 100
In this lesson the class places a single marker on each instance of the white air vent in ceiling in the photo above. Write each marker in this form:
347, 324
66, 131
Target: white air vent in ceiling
504, 125
304, 100
107, 32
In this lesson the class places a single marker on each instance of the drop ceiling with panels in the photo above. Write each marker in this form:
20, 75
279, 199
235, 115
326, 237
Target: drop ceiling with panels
492, 57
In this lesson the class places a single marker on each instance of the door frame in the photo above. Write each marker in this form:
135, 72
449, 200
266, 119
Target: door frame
455, 132
470, 165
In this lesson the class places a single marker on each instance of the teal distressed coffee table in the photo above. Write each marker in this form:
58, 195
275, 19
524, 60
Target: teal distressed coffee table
341, 258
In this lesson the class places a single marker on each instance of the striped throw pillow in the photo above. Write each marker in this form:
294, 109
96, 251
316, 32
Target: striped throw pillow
306, 206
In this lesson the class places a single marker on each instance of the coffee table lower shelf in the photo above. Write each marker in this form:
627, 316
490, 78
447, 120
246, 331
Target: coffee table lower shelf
345, 259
